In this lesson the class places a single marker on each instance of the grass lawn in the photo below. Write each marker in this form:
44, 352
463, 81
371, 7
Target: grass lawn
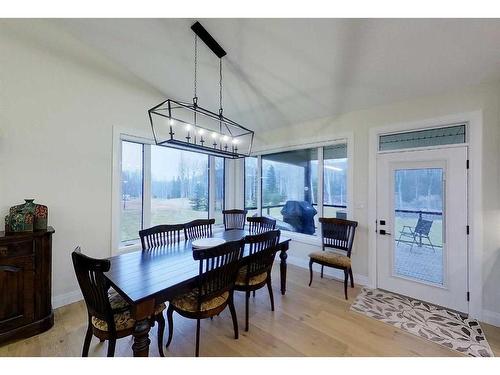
163, 211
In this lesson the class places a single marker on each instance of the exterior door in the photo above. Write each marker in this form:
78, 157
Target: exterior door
422, 225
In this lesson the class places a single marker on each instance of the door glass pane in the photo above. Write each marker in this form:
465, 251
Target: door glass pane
131, 181
289, 189
418, 219
179, 186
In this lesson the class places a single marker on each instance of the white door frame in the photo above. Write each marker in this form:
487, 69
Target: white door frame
475, 207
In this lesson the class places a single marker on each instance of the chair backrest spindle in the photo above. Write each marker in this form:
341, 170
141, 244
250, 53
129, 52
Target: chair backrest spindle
260, 224
262, 251
338, 233
160, 235
218, 268
200, 228
94, 286
234, 219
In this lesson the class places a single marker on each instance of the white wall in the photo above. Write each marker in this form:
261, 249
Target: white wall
59, 100
482, 97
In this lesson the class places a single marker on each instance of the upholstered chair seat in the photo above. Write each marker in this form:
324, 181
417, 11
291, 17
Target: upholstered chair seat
337, 234
116, 301
254, 280
212, 290
255, 273
123, 318
105, 307
189, 301
331, 258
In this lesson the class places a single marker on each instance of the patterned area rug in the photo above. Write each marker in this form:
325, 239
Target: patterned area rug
433, 323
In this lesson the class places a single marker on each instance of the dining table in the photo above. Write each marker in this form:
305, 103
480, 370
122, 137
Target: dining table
146, 278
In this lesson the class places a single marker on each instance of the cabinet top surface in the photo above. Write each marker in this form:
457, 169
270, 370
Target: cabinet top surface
20, 235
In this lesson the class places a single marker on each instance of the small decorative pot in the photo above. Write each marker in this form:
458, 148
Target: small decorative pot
26, 217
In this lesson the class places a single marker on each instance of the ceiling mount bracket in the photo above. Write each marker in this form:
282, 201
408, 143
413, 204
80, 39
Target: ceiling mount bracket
208, 39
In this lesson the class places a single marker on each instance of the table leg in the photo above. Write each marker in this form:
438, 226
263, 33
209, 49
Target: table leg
141, 339
283, 256
142, 313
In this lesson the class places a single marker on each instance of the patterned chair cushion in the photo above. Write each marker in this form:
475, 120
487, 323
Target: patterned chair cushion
189, 301
117, 302
123, 319
254, 280
331, 258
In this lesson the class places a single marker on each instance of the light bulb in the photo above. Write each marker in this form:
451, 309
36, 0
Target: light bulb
201, 131
188, 127
171, 121
235, 141
225, 138
214, 135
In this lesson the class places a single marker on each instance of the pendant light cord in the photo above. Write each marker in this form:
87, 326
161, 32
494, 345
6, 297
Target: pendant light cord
195, 98
220, 86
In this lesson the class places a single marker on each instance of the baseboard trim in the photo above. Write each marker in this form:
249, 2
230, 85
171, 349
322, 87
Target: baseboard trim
66, 299
491, 317
332, 272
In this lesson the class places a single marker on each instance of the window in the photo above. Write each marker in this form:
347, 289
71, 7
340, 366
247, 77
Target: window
163, 185
292, 191
219, 190
251, 181
179, 186
132, 183
335, 181
423, 138
289, 189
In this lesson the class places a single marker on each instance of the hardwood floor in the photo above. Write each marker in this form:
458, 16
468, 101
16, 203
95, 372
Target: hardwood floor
308, 321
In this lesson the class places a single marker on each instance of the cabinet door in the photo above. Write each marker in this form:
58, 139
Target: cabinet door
16, 292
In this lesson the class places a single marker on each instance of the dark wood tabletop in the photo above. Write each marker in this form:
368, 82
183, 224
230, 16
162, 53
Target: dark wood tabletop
146, 278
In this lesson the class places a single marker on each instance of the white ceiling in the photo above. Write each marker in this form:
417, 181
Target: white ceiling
283, 71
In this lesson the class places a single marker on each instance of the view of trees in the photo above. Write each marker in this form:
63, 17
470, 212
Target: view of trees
190, 182
419, 189
251, 182
335, 182
284, 181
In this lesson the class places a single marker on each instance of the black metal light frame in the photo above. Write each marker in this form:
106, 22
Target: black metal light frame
170, 107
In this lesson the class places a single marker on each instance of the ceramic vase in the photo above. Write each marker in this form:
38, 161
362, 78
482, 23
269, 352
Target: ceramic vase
26, 217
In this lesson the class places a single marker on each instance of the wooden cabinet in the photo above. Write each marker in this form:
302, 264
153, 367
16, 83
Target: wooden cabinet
25, 284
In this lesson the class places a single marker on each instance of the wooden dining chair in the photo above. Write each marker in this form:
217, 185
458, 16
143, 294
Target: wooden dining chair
199, 228
234, 219
336, 234
109, 315
255, 273
213, 289
259, 224
160, 235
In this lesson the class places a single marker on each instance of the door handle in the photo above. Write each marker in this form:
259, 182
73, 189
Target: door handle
383, 232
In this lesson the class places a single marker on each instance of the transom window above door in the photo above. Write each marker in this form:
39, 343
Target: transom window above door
446, 135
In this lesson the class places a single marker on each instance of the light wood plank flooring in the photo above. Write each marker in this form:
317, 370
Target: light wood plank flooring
308, 321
